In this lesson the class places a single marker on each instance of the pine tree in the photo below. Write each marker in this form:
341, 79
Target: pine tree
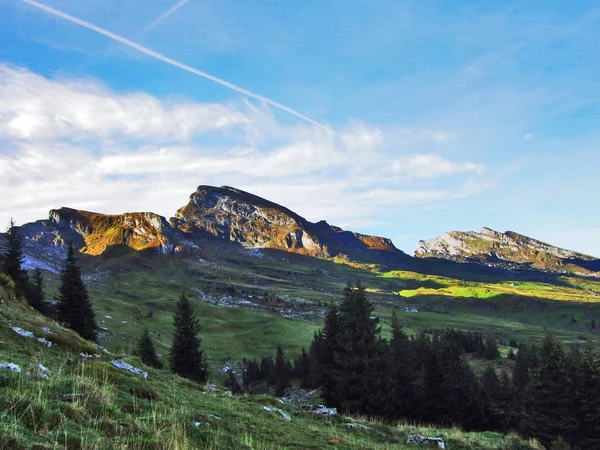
357, 368
491, 349
232, 383
186, 358
548, 407
13, 259
74, 307
400, 377
302, 369
588, 392
147, 352
36, 295
283, 372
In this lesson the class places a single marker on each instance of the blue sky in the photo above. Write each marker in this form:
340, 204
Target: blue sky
432, 116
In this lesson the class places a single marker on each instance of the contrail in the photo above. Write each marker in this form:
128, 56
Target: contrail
161, 57
163, 16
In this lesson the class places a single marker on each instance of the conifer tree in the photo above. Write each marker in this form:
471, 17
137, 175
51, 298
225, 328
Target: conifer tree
400, 378
36, 295
324, 348
13, 259
186, 358
491, 349
588, 393
548, 408
147, 352
358, 368
232, 383
302, 369
283, 371
74, 307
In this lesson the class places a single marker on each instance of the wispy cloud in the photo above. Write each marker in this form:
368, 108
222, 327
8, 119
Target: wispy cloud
162, 17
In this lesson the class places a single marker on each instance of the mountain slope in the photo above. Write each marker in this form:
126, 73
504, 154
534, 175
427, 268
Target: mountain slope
252, 221
59, 400
45, 241
506, 250
225, 213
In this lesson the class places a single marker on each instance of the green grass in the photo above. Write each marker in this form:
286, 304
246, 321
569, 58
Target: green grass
123, 411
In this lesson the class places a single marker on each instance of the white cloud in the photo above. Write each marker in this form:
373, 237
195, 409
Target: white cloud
528, 136
36, 108
432, 166
77, 143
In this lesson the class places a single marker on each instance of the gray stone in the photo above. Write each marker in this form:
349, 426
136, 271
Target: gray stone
10, 366
128, 367
283, 414
425, 440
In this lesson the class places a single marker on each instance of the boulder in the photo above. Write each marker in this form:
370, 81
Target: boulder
128, 367
22, 332
425, 440
102, 349
357, 426
283, 414
10, 366
45, 342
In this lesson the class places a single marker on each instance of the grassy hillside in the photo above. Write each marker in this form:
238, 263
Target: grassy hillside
249, 301
121, 410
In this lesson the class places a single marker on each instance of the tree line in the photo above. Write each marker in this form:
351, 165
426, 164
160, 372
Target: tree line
548, 393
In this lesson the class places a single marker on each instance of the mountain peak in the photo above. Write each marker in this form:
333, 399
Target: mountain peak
233, 214
508, 250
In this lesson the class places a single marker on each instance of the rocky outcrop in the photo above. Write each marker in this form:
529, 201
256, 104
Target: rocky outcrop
508, 250
46, 241
252, 221
225, 213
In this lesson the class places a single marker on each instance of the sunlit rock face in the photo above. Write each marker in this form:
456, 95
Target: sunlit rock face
509, 250
252, 221
216, 212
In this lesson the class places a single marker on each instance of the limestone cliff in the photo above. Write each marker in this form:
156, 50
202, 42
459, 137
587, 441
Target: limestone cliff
508, 250
252, 221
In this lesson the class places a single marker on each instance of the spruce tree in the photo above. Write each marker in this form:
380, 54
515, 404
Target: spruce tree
588, 393
283, 372
146, 350
491, 349
232, 383
400, 376
548, 407
186, 358
357, 367
302, 369
13, 259
74, 307
36, 295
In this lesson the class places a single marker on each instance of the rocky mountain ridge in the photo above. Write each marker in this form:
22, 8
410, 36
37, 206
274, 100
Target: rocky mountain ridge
507, 250
212, 212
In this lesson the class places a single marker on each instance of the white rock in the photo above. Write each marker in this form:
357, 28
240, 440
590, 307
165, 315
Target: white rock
10, 366
285, 415
357, 426
425, 440
45, 342
128, 367
45, 330
22, 332
43, 369
102, 349
88, 356
108, 317
124, 322
324, 411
